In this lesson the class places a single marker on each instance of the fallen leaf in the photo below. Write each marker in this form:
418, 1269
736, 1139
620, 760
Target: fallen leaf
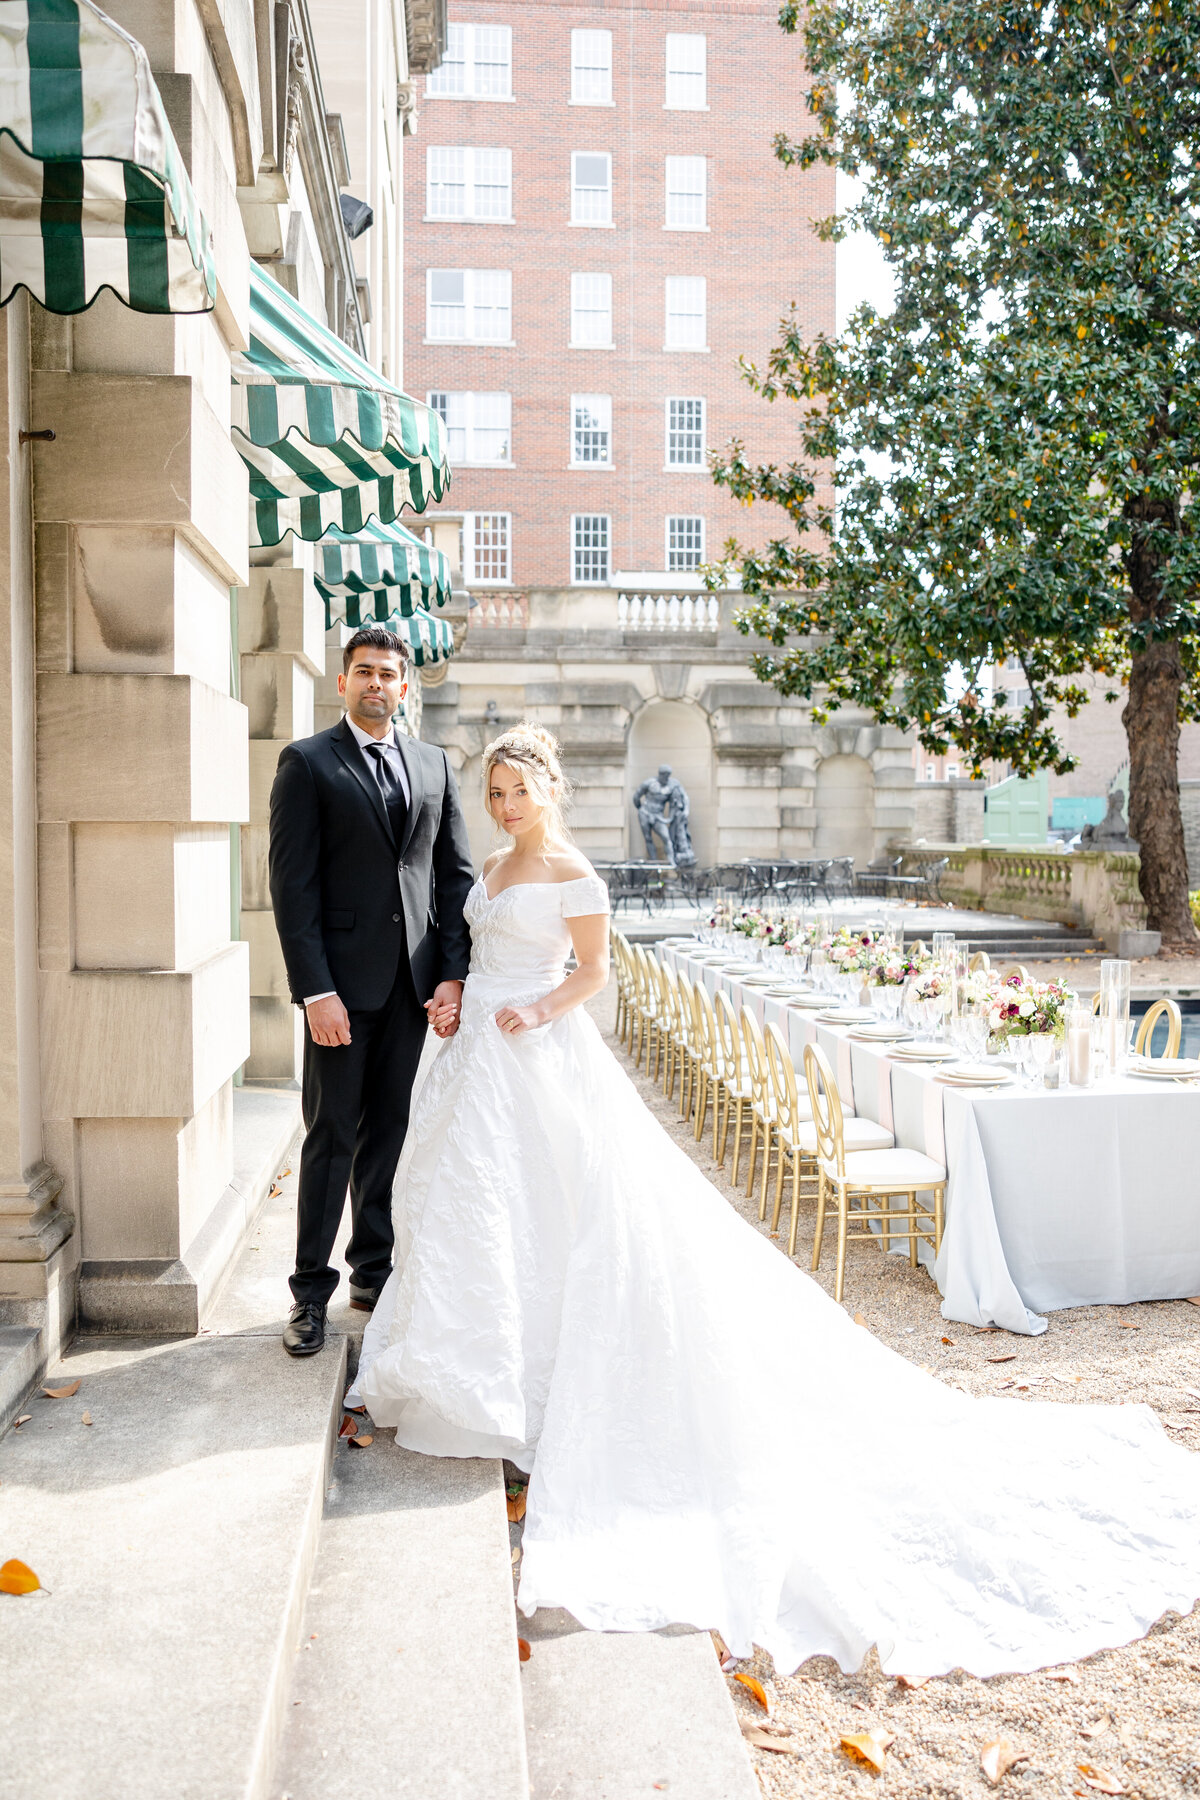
18, 1578
1102, 1779
1097, 1728
516, 1507
1128, 1325
764, 1740
347, 1428
524, 1649
1071, 1675
362, 1439
912, 1681
858, 1319
282, 1173
275, 1192
1193, 1299
516, 1555
947, 1340
1009, 1356
757, 1689
85, 1419
63, 1393
869, 1747
721, 1648
997, 1758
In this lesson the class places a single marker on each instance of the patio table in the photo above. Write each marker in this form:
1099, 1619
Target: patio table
1056, 1198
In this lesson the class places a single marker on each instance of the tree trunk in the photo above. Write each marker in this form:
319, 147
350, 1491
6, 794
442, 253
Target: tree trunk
1151, 719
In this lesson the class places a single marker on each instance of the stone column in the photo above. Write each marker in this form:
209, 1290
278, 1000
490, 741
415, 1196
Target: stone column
37, 1253
281, 634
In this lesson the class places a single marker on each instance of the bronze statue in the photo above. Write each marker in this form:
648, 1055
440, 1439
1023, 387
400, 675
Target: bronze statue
662, 809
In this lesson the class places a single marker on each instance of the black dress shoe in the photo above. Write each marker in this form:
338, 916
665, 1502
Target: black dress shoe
304, 1333
364, 1299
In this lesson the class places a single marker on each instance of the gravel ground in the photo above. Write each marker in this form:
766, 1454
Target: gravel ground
1131, 1714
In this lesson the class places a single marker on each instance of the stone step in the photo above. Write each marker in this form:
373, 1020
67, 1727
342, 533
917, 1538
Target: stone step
407, 1680
20, 1355
626, 1715
174, 1535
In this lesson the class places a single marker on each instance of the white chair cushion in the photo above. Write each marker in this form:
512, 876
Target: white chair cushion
857, 1134
889, 1169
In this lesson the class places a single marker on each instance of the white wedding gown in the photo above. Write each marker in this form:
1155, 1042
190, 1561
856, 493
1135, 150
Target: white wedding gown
712, 1440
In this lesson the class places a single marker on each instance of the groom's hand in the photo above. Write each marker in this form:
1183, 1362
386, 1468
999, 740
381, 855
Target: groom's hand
444, 1009
329, 1022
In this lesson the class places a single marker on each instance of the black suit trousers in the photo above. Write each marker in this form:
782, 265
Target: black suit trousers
356, 1103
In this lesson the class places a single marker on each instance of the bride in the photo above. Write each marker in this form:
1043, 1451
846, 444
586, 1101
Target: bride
712, 1441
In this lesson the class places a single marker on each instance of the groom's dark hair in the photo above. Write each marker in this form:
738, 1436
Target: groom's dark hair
375, 637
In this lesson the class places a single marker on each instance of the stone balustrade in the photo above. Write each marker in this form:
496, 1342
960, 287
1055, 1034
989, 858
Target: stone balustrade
505, 612
1094, 890
668, 612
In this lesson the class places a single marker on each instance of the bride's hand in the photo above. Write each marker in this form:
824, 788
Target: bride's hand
512, 1020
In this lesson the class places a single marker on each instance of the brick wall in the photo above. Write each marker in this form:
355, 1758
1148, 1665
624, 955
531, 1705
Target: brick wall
757, 256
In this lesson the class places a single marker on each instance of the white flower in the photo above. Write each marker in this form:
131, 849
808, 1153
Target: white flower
1026, 1009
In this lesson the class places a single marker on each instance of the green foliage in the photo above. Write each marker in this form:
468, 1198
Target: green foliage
1015, 446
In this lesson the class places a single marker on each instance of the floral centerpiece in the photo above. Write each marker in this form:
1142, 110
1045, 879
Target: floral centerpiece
1022, 1009
930, 984
976, 988
893, 968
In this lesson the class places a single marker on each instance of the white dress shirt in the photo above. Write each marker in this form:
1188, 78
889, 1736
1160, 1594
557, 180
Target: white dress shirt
396, 764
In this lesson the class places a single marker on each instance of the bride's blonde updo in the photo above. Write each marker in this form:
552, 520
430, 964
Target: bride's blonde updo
534, 752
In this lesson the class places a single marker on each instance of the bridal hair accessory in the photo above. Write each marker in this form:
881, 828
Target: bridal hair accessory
532, 748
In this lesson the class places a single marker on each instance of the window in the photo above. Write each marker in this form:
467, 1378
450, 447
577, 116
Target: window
469, 305
685, 434
591, 312
590, 537
687, 71
930, 772
591, 428
591, 68
486, 541
477, 64
685, 543
591, 188
687, 322
468, 183
687, 193
478, 426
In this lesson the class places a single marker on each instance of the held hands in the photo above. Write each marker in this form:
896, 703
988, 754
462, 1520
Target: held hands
512, 1020
328, 1021
445, 1008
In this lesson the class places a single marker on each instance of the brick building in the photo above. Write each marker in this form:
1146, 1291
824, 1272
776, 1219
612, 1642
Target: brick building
596, 230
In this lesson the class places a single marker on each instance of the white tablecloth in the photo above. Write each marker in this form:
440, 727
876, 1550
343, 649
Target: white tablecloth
1055, 1199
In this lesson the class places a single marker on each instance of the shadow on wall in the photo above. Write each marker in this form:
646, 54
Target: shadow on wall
845, 804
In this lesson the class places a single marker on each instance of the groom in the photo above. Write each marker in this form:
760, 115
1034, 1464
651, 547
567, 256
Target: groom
369, 867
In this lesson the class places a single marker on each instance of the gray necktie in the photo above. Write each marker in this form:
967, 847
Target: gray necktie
389, 787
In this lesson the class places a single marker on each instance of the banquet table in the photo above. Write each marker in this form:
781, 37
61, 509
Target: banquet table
1055, 1198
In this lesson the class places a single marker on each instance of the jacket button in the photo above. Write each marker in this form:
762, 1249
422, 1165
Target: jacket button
395, 918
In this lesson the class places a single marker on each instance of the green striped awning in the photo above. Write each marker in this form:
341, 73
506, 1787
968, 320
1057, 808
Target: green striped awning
327, 439
430, 640
93, 190
381, 571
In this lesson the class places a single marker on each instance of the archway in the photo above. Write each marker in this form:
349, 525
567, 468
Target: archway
675, 732
845, 799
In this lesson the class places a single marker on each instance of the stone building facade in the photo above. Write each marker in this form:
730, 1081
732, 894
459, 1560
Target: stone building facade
597, 231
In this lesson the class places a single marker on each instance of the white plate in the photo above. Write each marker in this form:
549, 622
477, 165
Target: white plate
758, 981
810, 1002
1153, 1075
925, 1052
1167, 1068
847, 1015
952, 1078
868, 1034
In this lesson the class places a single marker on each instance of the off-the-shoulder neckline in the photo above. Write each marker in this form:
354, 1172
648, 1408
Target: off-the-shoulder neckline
569, 882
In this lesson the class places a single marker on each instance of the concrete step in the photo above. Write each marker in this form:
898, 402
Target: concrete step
174, 1536
627, 1715
407, 1681
19, 1359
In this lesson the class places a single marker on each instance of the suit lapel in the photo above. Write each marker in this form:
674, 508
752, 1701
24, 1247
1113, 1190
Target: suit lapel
416, 785
345, 745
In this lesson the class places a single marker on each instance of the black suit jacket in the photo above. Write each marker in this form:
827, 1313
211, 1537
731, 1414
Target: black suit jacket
348, 901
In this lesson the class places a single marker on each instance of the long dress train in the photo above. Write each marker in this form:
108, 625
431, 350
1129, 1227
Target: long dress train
712, 1440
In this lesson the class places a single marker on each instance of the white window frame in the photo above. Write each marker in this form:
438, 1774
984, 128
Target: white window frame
673, 49
670, 312
581, 67
601, 406
580, 276
469, 409
578, 580
469, 527
471, 304
682, 568
690, 467
469, 62
605, 224
680, 192
472, 156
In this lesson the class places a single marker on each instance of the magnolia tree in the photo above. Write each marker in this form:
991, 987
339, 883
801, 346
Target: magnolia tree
1015, 445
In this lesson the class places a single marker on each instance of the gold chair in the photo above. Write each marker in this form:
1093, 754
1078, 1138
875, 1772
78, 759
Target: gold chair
669, 987
706, 1058
619, 950
685, 1035
1096, 1002
980, 960
762, 1104
656, 1023
644, 995
735, 1079
796, 1134
1017, 969
1143, 1044
867, 1176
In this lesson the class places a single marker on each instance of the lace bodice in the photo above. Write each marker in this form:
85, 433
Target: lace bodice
522, 929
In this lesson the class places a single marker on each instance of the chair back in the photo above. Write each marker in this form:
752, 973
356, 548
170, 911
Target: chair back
728, 1038
1144, 1042
685, 1011
643, 980
704, 1024
1017, 969
980, 960
668, 984
783, 1079
826, 1105
919, 948
756, 1063
1096, 1001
